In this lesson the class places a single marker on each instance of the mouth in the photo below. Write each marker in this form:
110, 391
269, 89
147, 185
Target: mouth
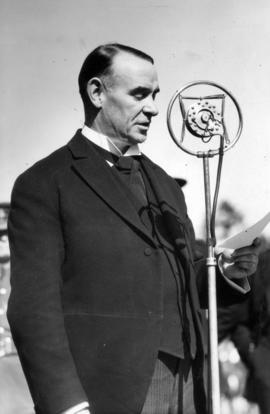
144, 125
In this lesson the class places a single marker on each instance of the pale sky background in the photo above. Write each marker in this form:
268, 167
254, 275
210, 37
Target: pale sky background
44, 42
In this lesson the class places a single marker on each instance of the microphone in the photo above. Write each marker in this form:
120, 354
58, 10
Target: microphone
203, 117
203, 121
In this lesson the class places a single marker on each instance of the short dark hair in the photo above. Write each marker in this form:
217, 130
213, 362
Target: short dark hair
99, 62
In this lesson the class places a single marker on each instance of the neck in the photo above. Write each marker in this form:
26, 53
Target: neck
117, 142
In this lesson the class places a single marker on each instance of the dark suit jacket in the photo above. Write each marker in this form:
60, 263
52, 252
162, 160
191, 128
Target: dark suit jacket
86, 304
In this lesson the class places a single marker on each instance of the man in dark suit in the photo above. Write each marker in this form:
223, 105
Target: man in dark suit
104, 307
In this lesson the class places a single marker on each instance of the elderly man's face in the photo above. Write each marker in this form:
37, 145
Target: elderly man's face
129, 99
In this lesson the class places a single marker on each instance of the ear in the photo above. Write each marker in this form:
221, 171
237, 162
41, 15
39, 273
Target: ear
95, 92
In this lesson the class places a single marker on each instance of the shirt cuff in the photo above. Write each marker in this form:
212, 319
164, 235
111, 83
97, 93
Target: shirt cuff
241, 285
76, 408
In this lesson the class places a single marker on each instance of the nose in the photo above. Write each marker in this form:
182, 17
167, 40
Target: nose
150, 107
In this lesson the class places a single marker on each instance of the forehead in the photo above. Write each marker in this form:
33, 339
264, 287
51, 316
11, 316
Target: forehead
132, 71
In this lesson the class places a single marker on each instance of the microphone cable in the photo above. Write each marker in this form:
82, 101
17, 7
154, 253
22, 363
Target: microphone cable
217, 187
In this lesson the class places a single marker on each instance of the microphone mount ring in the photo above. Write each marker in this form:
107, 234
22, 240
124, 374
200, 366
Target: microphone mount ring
203, 119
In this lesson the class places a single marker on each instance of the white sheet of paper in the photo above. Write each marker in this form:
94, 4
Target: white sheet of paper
246, 237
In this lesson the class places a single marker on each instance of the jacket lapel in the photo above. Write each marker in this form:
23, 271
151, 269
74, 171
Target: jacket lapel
165, 196
96, 173
173, 212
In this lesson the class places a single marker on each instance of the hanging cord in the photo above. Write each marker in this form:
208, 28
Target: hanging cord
214, 208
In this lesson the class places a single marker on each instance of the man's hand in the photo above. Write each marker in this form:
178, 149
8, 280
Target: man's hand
241, 262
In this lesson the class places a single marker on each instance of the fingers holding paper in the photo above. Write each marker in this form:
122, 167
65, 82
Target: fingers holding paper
240, 263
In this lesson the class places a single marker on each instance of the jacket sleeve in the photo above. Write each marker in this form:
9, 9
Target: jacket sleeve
34, 311
227, 293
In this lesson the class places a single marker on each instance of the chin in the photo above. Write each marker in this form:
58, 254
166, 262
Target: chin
139, 138
136, 137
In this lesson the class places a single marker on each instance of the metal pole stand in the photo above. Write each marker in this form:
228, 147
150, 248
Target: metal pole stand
213, 374
203, 118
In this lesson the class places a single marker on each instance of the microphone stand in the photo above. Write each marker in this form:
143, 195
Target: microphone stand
211, 263
214, 386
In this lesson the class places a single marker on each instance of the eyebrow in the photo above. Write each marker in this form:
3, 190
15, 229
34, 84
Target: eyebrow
144, 89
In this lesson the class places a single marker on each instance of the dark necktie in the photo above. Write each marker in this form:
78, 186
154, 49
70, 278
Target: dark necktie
129, 168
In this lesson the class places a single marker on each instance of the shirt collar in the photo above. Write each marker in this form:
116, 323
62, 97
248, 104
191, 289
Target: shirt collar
106, 143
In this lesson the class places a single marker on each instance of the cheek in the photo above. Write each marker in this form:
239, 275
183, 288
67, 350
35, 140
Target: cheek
134, 113
123, 112
117, 109
114, 115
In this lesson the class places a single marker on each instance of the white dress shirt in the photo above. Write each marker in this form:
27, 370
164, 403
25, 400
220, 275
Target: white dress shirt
106, 143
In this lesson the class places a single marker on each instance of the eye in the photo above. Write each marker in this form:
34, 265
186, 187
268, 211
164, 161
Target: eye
139, 96
140, 93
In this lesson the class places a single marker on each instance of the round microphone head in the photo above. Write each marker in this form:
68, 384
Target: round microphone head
201, 111
204, 120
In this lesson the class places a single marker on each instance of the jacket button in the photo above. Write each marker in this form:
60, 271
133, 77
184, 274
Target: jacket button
147, 251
